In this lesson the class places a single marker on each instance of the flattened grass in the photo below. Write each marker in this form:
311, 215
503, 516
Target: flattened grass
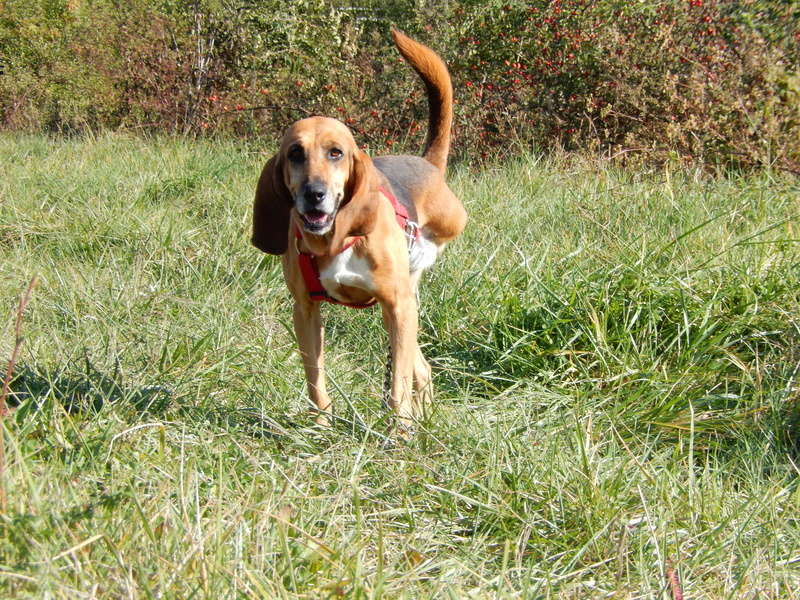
615, 356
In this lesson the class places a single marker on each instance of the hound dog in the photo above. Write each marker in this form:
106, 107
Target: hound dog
357, 231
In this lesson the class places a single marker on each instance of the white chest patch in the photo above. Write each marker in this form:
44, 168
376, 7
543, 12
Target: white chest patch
353, 271
422, 254
347, 269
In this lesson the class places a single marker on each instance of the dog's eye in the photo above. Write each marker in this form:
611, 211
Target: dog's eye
335, 154
296, 154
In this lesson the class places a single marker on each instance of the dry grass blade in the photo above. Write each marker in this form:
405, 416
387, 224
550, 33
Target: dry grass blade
674, 583
7, 382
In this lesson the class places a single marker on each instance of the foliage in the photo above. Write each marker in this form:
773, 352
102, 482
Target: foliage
702, 81
698, 79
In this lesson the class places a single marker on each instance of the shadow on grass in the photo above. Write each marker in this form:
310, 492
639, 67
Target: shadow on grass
83, 390
249, 421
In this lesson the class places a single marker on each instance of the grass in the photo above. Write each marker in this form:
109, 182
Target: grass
615, 353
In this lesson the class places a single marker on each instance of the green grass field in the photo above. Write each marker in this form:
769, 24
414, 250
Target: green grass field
616, 361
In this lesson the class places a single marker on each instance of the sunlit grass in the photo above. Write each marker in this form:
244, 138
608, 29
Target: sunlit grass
615, 359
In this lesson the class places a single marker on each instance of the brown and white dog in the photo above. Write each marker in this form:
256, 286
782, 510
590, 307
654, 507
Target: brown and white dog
337, 215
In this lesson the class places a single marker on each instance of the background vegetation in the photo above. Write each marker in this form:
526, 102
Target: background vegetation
615, 358
711, 82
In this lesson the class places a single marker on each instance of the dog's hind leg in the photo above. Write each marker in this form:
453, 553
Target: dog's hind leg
423, 386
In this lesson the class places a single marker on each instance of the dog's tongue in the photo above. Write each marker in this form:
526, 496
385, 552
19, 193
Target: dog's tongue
316, 216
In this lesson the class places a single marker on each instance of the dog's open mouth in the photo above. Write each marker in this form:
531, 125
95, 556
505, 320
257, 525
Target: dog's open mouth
316, 220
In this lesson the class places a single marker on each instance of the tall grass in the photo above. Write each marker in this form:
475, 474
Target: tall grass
615, 357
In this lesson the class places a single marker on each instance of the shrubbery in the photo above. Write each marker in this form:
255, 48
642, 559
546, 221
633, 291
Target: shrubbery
696, 80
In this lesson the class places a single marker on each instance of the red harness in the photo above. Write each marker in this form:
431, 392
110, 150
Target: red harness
308, 261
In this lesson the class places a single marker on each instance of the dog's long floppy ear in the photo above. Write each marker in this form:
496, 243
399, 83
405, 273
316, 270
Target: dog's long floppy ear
271, 210
357, 214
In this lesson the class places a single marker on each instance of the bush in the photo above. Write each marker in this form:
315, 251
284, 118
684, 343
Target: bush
702, 81
692, 78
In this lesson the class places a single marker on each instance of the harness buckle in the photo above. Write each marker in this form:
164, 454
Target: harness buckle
412, 232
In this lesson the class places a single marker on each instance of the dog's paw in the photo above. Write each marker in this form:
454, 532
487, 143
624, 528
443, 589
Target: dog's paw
401, 430
323, 419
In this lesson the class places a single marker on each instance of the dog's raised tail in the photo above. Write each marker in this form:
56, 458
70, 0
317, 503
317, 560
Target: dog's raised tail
434, 74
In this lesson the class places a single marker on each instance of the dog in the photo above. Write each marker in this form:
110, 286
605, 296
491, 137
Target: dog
358, 231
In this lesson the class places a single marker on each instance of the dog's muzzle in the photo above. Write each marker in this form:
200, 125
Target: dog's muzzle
316, 207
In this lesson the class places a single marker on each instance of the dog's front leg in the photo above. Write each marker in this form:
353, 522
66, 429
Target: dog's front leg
310, 338
400, 319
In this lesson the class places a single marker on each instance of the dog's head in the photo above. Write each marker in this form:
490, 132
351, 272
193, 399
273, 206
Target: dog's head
321, 173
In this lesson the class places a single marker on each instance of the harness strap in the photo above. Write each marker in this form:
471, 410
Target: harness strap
308, 261
400, 213
310, 272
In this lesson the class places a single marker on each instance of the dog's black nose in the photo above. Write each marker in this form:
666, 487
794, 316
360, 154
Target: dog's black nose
314, 192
